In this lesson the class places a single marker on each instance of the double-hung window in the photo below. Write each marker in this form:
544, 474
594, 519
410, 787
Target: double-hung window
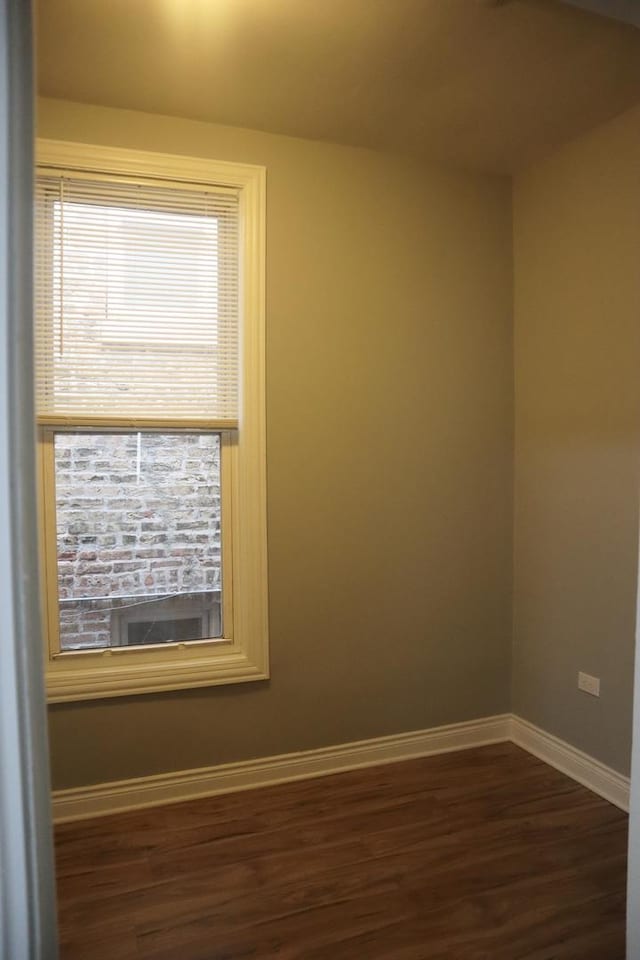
149, 359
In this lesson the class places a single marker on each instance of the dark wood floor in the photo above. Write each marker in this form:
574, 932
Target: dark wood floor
487, 854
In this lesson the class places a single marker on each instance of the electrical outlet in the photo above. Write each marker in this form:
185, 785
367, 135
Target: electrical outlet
589, 684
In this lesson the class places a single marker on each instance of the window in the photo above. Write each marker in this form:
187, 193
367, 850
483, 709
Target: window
150, 403
138, 536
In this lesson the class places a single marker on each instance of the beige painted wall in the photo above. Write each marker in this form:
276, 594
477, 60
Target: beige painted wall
577, 383
389, 459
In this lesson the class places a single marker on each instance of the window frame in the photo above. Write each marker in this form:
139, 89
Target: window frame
242, 654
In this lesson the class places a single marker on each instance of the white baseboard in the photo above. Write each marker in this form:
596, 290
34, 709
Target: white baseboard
79, 803
599, 778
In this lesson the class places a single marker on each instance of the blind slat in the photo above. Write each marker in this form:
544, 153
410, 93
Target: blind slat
137, 300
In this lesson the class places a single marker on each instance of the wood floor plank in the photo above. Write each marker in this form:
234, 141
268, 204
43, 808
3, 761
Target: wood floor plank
424, 866
466, 856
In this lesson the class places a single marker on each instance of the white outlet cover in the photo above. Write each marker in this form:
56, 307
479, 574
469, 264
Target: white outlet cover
589, 684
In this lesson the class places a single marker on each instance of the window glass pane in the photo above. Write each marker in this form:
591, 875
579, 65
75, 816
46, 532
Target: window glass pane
138, 538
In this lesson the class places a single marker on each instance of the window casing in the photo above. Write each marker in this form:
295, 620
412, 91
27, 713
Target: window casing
124, 665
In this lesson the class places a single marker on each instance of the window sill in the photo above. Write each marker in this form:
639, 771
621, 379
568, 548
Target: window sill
88, 675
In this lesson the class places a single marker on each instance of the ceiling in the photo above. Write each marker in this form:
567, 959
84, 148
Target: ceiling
628, 11
486, 84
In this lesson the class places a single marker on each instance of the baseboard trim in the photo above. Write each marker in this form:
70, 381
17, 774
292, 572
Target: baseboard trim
81, 803
599, 778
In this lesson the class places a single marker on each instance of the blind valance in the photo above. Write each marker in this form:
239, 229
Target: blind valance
137, 300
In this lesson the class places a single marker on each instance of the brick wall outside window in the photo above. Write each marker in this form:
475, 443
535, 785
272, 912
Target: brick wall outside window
138, 518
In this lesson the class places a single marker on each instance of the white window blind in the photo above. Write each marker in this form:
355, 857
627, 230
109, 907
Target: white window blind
137, 300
